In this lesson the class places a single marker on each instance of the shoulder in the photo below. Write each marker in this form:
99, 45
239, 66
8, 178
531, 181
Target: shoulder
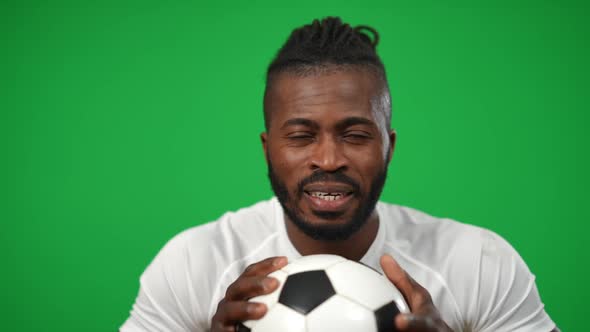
426, 236
477, 279
453, 249
213, 246
244, 226
182, 280
235, 232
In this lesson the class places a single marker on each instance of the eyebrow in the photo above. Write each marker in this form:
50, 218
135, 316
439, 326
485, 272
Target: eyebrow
301, 122
342, 124
354, 120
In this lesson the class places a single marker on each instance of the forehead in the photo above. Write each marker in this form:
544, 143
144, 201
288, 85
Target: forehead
338, 93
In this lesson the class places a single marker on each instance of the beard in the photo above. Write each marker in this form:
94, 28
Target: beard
337, 232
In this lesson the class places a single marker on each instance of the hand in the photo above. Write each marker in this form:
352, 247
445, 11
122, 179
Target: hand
234, 308
424, 316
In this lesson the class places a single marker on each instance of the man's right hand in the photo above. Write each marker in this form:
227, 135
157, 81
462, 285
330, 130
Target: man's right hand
254, 281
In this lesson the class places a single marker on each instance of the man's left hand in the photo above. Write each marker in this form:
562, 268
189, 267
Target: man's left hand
424, 316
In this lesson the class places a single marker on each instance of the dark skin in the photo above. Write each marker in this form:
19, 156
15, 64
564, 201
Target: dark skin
327, 122
330, 122
234, 308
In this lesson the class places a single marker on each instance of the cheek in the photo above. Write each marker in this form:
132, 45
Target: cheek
288, 164
367, 164
293, 159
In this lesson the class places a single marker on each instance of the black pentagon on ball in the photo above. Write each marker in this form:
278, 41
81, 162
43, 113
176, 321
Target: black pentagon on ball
385, 317
304, 291
242, 328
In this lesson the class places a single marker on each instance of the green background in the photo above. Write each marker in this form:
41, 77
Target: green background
125, 122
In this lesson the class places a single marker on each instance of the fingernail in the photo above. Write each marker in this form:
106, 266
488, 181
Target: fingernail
270, 283
404, 320
279, 261
255, 308
410, 318
265, 283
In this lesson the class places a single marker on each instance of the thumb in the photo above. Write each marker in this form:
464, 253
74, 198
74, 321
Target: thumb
409, 322
393, 271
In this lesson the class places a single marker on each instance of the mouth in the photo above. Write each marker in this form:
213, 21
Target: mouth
325, 197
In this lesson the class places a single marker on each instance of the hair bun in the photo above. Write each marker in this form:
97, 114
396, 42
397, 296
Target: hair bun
373, 40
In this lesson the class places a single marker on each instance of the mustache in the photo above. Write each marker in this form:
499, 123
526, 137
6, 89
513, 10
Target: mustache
323, 176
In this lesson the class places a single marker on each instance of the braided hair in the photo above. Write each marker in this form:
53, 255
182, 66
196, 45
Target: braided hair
324, 46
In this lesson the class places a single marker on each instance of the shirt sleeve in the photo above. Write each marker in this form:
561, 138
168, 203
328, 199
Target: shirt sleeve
167, 300
507, 297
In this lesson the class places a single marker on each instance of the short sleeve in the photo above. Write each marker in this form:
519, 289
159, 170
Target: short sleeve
507, 296
166, 299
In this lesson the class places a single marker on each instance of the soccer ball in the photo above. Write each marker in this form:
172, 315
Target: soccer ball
320, 293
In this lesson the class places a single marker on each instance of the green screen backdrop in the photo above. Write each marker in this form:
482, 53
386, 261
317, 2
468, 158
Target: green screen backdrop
125, 122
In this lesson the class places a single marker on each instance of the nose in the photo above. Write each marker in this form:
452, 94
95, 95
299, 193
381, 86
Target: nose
328, 156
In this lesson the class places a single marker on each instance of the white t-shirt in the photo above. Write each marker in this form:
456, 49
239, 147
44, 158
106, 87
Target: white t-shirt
476, 279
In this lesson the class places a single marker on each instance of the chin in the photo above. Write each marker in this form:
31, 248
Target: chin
328, 228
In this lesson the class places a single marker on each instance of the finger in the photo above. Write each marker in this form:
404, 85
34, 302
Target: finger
397, 276
266, 266
409, 322
248, 287
232, 312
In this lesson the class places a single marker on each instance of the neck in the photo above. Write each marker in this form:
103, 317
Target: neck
353, 248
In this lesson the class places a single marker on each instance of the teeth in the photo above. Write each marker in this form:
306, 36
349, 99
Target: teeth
326, 196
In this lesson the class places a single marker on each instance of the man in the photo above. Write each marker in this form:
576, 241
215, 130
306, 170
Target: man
327, 144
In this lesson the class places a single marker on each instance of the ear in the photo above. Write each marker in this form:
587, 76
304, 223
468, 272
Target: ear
392, 139
263, 138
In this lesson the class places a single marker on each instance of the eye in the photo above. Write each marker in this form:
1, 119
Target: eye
300, 137
357, 137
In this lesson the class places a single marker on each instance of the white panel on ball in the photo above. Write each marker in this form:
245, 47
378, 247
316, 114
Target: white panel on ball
272, 298
360, 283
269, 299
342, 315
280, 318
313, 262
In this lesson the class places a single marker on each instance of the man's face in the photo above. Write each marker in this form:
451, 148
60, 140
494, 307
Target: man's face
327, 149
